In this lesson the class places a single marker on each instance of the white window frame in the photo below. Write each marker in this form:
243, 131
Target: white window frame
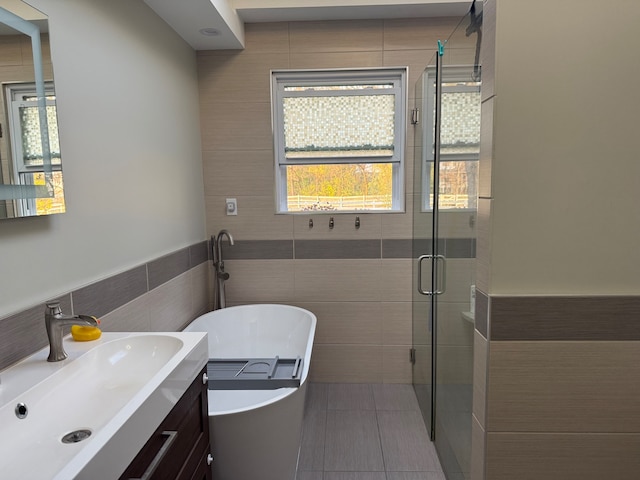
453, 74
397, 76
15, 98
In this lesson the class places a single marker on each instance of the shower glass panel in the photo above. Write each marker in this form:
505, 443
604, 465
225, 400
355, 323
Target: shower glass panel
422, 351
445, 203
459, 152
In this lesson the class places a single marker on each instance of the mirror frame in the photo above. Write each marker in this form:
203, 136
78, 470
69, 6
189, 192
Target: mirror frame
9, 191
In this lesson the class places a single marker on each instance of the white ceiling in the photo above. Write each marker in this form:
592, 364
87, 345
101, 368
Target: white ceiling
227, 17
23, 10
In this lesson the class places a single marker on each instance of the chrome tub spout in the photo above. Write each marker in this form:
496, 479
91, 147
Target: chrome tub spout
218, 263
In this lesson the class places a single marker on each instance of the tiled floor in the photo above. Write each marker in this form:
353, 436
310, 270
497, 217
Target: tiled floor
365, 432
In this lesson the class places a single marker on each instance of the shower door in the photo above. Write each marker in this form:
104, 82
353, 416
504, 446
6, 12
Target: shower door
421, 352
444, 211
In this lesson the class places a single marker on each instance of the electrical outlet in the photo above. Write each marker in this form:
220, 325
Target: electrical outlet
232, 206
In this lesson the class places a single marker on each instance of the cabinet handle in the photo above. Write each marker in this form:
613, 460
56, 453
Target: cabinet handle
205, 378
209, 459
151, 469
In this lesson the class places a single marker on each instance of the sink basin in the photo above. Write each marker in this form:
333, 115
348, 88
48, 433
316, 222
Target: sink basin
111, 391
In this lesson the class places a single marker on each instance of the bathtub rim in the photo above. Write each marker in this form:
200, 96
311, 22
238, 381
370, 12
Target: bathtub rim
279, 393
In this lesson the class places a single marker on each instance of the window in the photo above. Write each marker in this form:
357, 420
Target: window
459, 140
339, 139
32, 163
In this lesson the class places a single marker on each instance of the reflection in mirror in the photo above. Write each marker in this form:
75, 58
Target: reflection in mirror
459, 138
30, 161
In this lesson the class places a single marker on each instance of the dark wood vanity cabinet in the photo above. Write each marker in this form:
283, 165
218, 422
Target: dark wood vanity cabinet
179, 449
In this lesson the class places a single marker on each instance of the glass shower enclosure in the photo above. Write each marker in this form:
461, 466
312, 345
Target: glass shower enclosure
447, 122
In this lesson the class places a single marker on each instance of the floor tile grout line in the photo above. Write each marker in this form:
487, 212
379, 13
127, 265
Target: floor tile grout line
375, 407
384, 461
370, 388
326, 428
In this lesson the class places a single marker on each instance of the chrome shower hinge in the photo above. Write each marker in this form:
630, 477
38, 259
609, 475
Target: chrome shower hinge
415, 116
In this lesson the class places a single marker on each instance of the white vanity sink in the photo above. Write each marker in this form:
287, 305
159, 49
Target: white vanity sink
118, 388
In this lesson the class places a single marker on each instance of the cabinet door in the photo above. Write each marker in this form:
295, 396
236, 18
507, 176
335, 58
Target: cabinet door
175, 448
196, 465
203, 472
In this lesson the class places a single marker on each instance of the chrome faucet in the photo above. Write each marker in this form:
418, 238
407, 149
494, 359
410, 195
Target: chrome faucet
218, 264
55, 320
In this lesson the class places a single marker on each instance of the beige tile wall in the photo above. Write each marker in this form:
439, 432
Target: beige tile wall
168, 307
363, 306
564, 387
123, 302
478, 442
560, 408
569, 401
562, 456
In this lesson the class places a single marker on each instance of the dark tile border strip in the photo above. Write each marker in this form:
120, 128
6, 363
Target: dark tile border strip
258, 250
337, 249
198, 253
568, 318
106, 295
423, 246
460, 247
165, 268
397, 248
482, 313
23, 333
344, 249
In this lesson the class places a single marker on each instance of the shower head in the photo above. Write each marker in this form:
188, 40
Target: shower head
475, 24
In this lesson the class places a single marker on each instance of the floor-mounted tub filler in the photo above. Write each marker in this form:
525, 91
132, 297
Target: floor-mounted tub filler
255, 421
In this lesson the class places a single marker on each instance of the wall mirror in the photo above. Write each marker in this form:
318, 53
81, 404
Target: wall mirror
30, 161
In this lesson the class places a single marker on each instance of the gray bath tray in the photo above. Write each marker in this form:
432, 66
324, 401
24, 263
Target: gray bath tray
254, 373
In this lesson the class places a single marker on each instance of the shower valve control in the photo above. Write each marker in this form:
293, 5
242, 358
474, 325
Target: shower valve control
231, 206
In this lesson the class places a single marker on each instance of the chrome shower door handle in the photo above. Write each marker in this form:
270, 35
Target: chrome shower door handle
443, 260
437, 258
421, 259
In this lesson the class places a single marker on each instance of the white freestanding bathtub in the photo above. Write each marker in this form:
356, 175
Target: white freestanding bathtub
255, 434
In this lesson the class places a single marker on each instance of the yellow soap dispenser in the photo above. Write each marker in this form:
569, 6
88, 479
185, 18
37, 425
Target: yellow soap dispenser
82, 333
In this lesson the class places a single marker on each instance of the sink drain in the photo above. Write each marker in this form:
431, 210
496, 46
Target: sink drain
21, 410
76, 436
